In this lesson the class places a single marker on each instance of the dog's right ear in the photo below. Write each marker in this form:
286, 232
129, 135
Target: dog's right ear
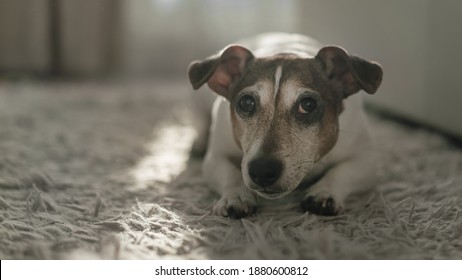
222, 71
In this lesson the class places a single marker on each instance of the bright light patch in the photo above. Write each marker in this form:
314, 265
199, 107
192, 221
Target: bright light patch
167, 155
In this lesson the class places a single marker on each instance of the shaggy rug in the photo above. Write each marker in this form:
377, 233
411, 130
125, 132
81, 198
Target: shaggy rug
101, 171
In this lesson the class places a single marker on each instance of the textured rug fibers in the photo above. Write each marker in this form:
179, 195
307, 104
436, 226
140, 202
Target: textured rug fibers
99, 170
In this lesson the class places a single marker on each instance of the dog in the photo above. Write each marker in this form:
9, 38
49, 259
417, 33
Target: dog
286, 117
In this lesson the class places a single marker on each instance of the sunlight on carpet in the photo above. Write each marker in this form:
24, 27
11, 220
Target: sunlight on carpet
167, 155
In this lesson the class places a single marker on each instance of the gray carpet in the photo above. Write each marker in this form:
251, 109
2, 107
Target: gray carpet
99, 170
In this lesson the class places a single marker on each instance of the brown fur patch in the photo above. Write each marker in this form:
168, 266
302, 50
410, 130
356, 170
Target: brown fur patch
274, 123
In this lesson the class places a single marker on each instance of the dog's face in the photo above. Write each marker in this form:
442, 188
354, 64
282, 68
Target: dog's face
285, 119
284, 109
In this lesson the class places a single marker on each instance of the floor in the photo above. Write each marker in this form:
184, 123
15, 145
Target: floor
101, 170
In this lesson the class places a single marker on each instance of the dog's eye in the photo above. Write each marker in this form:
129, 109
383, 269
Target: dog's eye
246, 104
307, 105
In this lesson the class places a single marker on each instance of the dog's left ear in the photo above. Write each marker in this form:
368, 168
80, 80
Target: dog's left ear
222, 71
352, 72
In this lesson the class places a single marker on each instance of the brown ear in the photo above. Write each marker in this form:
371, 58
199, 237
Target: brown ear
352, 72
221, 72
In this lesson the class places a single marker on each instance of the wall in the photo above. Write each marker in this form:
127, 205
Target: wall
65, 37
24, 32
161, 37
88, 36
416, 42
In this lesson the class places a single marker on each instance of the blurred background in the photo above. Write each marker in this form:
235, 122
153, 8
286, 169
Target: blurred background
416, 41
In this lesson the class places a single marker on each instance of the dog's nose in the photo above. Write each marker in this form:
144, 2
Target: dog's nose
265, 171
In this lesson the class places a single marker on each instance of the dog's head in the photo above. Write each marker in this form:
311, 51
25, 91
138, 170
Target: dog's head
284, 108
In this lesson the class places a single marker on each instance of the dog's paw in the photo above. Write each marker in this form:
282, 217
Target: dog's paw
322, 203
237, 206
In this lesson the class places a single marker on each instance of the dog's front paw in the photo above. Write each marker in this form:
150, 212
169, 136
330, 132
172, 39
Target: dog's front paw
236, 205
322, 203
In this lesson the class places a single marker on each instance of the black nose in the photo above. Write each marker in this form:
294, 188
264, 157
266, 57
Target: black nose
265, 171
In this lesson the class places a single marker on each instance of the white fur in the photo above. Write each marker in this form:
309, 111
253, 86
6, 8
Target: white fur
277, 80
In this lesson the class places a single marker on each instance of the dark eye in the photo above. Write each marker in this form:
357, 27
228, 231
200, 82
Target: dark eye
246, 104
307, 105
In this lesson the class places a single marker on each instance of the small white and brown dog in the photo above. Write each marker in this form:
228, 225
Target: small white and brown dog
286, 117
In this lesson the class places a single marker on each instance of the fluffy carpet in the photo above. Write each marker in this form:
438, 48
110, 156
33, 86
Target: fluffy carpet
101, 171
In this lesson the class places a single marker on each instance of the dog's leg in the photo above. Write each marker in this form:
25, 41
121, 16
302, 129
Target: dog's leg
327, 196
225, 177
221, 167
